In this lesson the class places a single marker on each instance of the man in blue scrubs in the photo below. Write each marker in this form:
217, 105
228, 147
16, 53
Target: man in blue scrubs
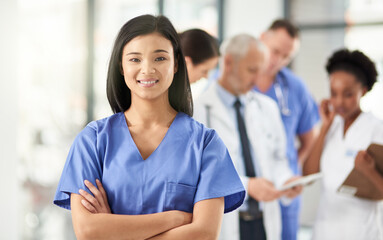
298, 109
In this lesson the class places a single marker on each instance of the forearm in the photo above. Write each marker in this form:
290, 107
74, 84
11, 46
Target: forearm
303, 153
206, 224
113, 226
312, 164
190, 231
307, 141
110, 226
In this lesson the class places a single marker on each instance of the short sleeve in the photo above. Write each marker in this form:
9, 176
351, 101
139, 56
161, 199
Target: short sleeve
310, 114
218, 177
82, 164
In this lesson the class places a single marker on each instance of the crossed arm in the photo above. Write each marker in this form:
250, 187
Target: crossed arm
91, 220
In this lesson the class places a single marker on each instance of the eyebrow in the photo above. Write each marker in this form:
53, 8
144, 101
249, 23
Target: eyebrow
156, 51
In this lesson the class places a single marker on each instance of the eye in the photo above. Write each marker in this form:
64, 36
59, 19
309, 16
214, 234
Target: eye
275, 51
348, 94
160, 59
253, 70
134, 60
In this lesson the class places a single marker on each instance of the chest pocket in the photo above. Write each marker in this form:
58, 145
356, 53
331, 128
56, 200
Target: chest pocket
179, 197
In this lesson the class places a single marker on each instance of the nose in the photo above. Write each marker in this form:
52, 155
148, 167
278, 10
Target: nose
338, 101
147, 67
278, 59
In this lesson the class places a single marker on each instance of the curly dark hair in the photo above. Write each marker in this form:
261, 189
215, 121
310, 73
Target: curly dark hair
355, 63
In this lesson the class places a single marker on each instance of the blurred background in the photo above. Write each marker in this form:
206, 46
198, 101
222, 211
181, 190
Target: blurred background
53, 62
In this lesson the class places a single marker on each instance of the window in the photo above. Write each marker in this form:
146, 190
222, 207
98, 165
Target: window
52, 58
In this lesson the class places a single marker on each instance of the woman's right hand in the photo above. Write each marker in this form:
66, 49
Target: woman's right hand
364, 163
98, 203
326, 112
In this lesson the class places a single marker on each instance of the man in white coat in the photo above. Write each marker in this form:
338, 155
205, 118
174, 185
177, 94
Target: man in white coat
254, 125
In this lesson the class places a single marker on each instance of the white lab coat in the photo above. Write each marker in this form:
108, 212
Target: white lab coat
267, 137
340, 216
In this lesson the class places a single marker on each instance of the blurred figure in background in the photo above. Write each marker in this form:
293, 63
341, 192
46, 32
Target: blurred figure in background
345, 134
201, 51
298, 109
250, 125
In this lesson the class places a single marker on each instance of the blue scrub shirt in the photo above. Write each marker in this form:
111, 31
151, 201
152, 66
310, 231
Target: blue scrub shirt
303, 111
303, 115
189, 165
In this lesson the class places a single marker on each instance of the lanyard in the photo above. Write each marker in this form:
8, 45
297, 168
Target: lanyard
282, 95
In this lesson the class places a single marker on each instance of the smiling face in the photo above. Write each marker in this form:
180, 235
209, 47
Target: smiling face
148, 66
346, 92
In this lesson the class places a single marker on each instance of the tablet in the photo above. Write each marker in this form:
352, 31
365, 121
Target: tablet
302, 181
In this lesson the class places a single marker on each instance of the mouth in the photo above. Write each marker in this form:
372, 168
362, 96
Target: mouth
340, 111
148, 82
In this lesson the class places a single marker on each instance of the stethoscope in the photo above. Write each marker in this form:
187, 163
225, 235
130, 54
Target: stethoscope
281, 92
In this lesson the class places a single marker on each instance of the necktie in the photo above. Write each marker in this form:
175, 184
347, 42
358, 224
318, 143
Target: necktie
249, 166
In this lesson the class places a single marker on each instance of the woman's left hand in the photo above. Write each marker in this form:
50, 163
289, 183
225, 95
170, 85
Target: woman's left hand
98, 203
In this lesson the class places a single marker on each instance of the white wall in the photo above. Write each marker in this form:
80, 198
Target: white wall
8, 113
250, 16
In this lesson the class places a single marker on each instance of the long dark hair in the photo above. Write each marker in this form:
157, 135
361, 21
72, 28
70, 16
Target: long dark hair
199, 45
119, 95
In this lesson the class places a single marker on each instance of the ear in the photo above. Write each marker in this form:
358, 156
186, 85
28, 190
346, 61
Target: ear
228, 62
262, 36
189, 63
188, 60
364, 91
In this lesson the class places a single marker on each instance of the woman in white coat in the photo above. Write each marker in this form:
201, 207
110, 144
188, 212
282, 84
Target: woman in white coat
345, 134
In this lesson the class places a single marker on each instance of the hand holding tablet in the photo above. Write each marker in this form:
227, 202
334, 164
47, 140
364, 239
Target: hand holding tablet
301, 181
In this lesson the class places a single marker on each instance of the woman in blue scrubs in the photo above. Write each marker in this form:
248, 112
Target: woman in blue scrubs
163, 174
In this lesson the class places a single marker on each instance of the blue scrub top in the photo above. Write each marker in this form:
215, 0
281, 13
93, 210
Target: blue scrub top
303, 111
189, 165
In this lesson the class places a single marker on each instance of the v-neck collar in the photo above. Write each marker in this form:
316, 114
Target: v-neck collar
351, 127
126, 128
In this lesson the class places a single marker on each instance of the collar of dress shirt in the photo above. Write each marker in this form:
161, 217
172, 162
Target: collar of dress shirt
227, 98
